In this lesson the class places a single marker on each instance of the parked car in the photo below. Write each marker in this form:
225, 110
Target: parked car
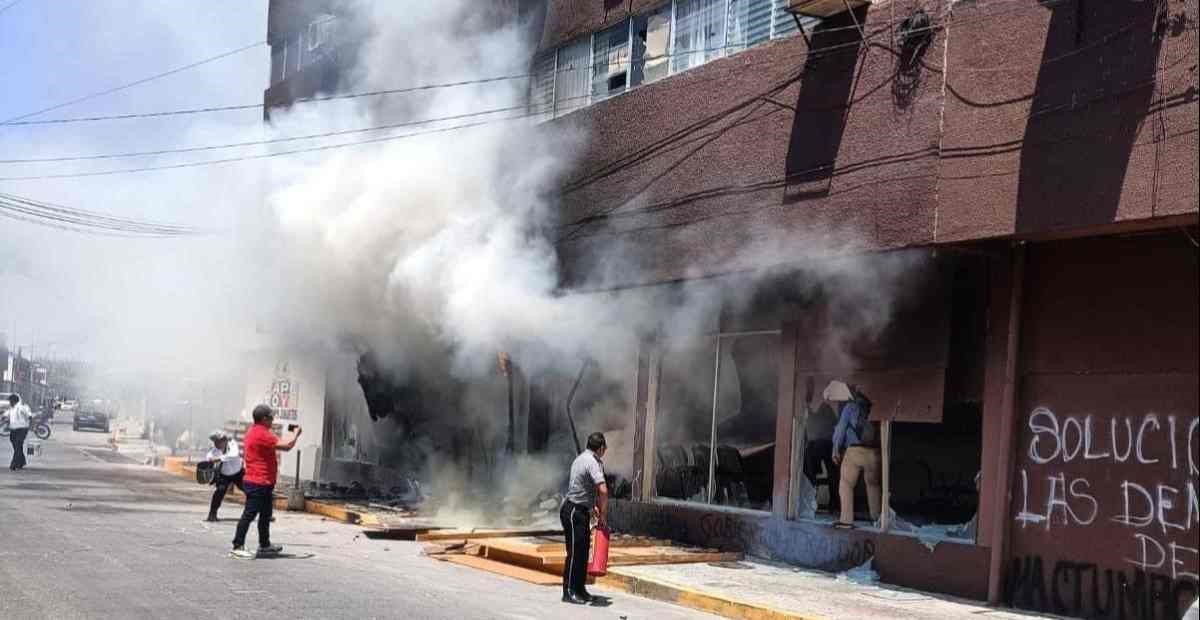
90, 418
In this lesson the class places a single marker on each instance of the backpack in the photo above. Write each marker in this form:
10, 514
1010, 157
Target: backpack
868, 431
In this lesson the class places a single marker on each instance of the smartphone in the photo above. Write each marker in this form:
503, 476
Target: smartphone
292, 427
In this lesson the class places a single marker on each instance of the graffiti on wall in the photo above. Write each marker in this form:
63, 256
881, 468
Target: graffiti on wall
1085, 589
1133, 475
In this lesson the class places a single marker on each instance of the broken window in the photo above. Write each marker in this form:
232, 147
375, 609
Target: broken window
749, 23
573, 82
716, 443
923, 375
699, 33
651, 46
935, 466
610, 61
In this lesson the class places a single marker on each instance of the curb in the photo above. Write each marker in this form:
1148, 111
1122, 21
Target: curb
178, 467
695, 599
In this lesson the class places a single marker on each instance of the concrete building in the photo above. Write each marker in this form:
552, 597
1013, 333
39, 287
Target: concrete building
1028, 168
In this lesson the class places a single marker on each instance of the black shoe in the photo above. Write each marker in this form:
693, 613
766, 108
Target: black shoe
585, 596
573, 599
211, 520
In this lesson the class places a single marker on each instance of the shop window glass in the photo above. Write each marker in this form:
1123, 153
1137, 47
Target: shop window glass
747, 393
683, 427
718, 445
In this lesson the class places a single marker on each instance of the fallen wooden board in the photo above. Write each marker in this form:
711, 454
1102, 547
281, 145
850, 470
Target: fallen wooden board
451, 534
527, 575
524, 552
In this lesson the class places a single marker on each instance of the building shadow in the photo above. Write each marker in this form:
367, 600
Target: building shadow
823, 105
1094, 89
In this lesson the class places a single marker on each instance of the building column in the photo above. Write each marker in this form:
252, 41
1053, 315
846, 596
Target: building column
786, 425
1007, 275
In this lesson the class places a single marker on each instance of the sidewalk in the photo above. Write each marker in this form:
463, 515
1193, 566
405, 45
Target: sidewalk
752, 589
761, 590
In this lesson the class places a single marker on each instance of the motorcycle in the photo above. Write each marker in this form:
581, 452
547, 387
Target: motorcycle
38, 426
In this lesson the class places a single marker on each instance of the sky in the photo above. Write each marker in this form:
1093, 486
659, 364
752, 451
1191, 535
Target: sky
62, 288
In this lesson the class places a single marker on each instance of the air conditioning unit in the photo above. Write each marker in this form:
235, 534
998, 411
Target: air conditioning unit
823, 8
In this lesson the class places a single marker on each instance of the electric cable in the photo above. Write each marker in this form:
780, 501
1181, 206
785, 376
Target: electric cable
9, 6
94, 221
230, 145
24, 213
80, 214
128, 85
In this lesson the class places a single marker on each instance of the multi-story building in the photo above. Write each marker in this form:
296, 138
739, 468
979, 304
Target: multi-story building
1013, 183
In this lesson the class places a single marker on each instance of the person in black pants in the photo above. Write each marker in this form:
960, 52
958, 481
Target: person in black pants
17, 437
587, 494
262, 471
19, 419
226, 459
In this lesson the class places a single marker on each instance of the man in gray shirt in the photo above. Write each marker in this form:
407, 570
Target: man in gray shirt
587, 494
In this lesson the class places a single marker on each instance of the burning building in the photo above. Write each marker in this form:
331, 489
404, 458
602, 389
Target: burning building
982, 214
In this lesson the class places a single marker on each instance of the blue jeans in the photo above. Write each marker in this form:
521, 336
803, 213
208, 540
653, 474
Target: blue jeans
260, 502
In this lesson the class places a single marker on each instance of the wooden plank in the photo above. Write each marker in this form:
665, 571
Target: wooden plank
527, 575
617, 542
556, 566
454, 534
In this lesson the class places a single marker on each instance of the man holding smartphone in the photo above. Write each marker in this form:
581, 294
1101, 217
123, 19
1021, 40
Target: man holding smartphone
262, 470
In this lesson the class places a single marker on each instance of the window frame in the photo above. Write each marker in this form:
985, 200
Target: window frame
710, 486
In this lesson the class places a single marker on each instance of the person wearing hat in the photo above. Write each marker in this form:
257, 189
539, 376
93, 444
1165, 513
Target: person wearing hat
226, 459
855, 450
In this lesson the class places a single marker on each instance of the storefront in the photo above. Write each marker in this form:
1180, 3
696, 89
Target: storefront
1081, 406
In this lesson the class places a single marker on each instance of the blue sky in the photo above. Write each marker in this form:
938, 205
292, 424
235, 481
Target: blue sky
56, 50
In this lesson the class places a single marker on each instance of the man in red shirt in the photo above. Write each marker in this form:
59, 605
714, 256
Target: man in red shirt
262, 469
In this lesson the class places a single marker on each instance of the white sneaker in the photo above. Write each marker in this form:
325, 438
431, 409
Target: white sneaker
241, 554
270, 549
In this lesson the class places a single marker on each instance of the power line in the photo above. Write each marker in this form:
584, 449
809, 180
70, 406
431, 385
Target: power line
211, 162
230, 145
93, 216
90, 222
127, 85
9, 6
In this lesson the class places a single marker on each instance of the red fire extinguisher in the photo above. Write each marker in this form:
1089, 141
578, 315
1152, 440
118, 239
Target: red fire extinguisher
599, 563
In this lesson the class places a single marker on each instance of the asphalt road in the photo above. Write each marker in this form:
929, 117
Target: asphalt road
82, 536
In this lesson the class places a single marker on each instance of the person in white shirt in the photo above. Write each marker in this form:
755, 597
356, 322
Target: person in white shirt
227, 461
19, 416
